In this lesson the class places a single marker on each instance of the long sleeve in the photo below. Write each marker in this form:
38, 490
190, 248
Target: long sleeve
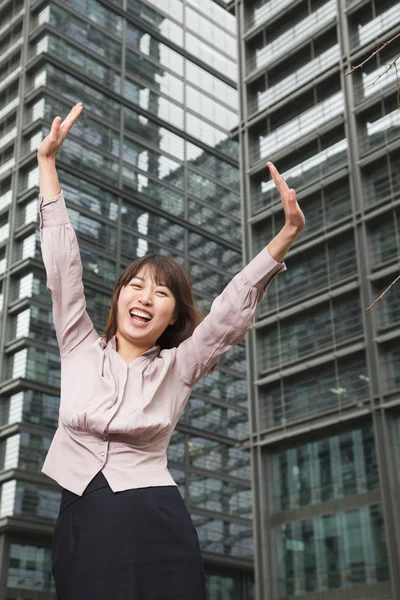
230, 317
63, 265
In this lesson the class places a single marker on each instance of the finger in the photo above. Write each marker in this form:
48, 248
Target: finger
55, 128
71, 118
279, 181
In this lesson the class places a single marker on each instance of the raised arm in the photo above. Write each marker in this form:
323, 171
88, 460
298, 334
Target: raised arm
232, 313
60, 249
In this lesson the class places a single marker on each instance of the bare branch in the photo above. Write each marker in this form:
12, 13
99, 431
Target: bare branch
360, 66
390, 66
383, 293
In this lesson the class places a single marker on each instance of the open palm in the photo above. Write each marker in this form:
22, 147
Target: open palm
58, 132
294, 216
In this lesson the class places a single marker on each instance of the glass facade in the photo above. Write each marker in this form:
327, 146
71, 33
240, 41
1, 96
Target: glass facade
152, 166
325, 373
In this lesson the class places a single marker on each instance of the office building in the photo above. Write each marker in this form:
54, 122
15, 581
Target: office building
325, 373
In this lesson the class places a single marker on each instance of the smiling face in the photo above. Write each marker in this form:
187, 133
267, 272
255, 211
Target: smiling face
146, 307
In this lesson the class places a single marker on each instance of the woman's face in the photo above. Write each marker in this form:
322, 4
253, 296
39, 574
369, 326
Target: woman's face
145, 309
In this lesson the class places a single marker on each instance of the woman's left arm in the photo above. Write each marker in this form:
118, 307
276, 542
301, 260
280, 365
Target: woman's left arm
232, 313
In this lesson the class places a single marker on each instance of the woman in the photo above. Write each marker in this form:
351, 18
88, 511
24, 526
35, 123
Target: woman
123, 531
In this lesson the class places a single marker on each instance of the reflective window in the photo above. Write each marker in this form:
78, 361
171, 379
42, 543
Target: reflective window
379, 126
206, 280
382, 183
35, 323
220, 587
215, 194
81, 61
97, 268
160, 80
223, 385
213, 221
177, 447
29, 500
389, 311
344, 382
96, 103
390, 365
100, 14
327, 469
29, 568
223, 536
215, 13
134, 246
213, 34
219, 496
151, 225
262, 10
153, 191
205, 132
93, 231
211, 57
24, 451
223, 420
92, 38
368, 29
174, 8
149, 161
268, 95
315, 330
334, 551
210, 109
93, 198
213, 165
204, 80
309, 273
214, 253
76, 154
150, 46
384, 244
215, 456
31, 406
302, 125
303, 29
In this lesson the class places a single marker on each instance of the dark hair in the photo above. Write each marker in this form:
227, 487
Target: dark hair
168, 271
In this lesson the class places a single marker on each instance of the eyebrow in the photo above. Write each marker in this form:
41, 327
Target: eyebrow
157, 284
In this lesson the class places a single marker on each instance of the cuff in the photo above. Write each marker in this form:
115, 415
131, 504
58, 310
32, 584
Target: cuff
262, 269
52, 211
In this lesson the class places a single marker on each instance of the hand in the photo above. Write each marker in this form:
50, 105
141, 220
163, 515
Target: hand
294, 217
58, 132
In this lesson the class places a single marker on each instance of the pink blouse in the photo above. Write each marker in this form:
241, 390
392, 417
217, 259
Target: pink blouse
119, 417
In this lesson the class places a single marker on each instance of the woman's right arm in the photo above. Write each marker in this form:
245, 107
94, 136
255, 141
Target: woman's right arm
60, 249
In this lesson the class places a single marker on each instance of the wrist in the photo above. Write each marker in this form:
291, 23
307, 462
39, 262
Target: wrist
291, 232
46, 160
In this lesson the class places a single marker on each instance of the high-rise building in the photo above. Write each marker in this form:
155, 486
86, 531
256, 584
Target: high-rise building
151, 166
325, 374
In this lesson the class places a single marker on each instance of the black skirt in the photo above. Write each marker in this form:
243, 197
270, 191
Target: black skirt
137, 544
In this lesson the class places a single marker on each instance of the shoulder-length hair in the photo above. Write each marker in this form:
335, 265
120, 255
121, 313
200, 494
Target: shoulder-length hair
168, 271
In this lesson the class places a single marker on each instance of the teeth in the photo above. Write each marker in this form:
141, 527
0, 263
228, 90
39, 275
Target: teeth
139, 313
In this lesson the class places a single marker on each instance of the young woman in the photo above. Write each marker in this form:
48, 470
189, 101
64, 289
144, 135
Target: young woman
123, 532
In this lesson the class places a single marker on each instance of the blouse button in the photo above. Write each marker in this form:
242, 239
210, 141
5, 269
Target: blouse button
101, 453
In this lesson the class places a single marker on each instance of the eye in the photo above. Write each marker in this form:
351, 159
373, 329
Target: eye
135, 285
161, 293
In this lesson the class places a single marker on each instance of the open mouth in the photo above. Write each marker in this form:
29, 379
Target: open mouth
139, 316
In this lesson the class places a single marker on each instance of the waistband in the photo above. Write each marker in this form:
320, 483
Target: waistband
97, 483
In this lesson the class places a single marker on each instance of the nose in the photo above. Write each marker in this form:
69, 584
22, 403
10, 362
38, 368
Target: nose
145, 296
